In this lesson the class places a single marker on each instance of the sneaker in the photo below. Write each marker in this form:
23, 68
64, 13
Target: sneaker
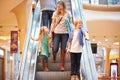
73, 77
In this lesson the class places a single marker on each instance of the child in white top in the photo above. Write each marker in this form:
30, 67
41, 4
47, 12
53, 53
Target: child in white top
75, 44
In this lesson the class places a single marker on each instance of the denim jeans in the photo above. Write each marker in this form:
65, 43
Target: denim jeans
75, 63
47, 18
60, 38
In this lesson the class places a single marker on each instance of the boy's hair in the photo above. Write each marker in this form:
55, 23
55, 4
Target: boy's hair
77, 21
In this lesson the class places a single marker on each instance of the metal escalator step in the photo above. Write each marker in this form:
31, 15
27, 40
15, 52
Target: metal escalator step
53, 75
67, 58
54, 67
50, 59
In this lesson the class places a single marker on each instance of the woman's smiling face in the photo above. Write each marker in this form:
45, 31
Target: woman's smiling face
59, 7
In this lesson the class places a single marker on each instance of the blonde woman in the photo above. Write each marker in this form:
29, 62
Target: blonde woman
60, 29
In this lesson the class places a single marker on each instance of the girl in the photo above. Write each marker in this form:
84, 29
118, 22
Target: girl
75, 44
60, 30
43, 47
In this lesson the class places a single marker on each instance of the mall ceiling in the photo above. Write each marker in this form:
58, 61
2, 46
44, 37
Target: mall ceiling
101, 25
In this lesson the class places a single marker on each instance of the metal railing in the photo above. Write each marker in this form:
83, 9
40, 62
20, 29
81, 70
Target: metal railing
28, 63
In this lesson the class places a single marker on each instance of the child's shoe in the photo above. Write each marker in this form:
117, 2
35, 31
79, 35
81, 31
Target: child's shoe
73, 77
41, 63
77, 78
46, 67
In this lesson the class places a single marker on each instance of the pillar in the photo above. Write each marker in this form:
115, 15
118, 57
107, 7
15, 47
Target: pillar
22, 12
119, 61
107, 61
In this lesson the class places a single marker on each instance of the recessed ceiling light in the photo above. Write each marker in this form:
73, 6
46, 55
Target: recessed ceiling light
106, 39
11, 57
93, 39
99, 42
116, 43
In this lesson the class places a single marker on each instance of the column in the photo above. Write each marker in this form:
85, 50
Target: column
107, 61
119, 61
22, 13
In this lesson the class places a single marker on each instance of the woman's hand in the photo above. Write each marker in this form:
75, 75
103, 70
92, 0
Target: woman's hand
68, 50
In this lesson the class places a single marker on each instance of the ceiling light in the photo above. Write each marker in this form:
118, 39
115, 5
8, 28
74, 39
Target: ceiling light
116, 43
106, 39
99, 42
93, 39
11, 57
113, 61
3, 38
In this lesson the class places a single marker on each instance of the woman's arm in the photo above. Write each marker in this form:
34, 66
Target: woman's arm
52, 25
49, 40
49, 43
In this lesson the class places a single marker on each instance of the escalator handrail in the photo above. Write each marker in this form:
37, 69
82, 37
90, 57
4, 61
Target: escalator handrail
22, 62
22, 65
88, 47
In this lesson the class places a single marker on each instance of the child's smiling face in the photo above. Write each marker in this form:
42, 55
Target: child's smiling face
79, 25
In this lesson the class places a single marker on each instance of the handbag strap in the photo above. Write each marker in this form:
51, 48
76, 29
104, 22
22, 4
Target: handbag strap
59, 21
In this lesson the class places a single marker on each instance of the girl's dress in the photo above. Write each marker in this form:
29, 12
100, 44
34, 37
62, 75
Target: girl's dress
44, 47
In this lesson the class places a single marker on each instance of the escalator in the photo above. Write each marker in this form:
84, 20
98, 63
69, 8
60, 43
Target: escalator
30, 68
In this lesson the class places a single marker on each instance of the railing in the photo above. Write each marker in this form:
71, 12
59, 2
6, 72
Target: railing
28, 64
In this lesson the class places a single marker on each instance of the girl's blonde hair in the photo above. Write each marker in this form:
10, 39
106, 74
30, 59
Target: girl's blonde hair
43, 31
77, 21
63, 4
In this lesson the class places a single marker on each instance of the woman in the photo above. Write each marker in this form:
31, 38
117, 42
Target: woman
60, 30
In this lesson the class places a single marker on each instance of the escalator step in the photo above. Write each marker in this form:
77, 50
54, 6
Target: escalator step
54, 67
53, 75
50, 59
